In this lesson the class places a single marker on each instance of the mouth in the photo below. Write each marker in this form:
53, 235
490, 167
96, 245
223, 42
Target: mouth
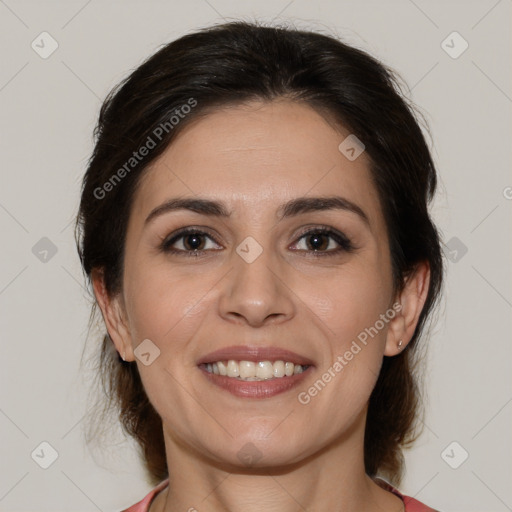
255, 372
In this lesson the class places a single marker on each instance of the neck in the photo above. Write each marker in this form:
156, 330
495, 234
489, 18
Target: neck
331, 479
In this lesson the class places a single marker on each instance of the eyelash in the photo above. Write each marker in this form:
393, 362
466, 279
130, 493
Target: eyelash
344, 243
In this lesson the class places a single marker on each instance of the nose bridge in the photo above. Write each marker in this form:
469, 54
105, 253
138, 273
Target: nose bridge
255, 288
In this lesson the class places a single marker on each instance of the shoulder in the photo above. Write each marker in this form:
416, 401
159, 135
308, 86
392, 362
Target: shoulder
410, 504
143, 505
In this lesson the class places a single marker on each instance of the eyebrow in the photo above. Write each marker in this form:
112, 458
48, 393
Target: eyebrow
294, 207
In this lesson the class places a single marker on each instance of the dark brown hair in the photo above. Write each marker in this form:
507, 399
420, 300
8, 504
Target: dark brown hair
234, 63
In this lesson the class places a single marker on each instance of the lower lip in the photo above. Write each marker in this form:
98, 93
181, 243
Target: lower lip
257, 389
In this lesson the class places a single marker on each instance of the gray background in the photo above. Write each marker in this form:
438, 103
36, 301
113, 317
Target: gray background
49, 108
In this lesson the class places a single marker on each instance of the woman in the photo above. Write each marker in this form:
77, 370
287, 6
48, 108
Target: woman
254, 223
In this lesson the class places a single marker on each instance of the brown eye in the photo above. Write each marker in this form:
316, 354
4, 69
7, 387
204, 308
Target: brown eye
193, 242
325, 242
189, 242
318, 242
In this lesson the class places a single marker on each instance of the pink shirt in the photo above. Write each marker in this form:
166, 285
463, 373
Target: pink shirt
411, 505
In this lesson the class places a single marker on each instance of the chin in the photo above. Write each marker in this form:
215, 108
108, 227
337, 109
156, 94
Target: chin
246, 453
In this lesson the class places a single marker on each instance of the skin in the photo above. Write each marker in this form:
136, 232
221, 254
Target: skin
254, 158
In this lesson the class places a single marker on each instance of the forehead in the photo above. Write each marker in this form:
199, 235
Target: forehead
255, 157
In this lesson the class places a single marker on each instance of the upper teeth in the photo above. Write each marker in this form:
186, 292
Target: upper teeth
249, 370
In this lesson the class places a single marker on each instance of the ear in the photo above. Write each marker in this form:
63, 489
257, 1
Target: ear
408, 306
114, 316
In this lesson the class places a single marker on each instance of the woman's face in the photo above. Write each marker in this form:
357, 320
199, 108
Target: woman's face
261, 279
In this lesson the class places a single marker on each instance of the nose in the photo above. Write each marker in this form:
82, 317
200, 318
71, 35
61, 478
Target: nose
257, 293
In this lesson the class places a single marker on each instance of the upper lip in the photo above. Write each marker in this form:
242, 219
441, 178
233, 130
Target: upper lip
254, 353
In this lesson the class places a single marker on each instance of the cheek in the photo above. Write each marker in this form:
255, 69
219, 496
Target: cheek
352, 302
152, 308
168, 307
352, 305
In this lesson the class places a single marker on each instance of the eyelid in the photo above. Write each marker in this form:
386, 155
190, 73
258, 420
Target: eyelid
318, 228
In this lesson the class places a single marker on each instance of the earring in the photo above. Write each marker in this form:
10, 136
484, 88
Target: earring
400, 345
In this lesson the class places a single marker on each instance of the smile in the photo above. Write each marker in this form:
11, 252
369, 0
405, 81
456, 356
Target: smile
251, 371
